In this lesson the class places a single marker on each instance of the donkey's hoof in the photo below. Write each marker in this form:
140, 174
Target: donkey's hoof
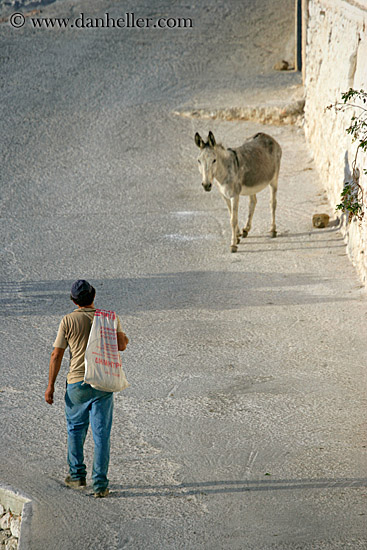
233, 248
273, 234
244, 233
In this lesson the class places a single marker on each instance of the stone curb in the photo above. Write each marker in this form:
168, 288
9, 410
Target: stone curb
18, 504
278, 114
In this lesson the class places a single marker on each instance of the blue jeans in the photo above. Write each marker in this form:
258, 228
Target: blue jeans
83, 404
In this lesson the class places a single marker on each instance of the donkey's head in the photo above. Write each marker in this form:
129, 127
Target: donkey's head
207, 160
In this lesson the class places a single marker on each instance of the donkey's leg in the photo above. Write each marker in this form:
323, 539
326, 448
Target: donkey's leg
273, 205
228, 202
251, 210
234, 223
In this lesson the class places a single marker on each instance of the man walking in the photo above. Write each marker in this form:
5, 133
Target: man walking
83, 404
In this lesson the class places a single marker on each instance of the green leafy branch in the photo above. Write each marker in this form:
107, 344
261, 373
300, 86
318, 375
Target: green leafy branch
352, 199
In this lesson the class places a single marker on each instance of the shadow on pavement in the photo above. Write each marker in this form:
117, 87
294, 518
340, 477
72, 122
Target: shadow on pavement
218, 487
211, 290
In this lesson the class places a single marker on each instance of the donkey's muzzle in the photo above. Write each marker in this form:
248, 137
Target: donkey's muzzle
207, 186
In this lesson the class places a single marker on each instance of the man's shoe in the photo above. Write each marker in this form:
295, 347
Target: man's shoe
102, 493
75, 483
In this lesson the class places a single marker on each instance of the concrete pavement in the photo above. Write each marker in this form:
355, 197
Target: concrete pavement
244, 427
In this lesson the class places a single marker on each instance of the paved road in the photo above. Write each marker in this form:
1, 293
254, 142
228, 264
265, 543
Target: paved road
244, 427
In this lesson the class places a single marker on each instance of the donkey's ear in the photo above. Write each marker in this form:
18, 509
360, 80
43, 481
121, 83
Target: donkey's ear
211, 139
199, 140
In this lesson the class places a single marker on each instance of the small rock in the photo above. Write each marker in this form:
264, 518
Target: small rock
2, 510
320, 220
281, 66
5, 521
15, 526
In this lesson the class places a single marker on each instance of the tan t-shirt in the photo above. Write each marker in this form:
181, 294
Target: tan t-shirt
74, 332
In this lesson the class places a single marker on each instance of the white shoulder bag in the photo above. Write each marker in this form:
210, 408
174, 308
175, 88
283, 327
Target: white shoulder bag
103, 368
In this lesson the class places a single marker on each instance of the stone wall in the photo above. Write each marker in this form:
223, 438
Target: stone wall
336, 60
9, 529
15, 520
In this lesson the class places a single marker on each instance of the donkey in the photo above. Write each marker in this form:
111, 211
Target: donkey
246, 170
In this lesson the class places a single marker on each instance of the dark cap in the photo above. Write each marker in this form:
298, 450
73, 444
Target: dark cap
81, 288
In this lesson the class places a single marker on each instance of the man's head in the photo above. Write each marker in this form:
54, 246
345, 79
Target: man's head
82, 293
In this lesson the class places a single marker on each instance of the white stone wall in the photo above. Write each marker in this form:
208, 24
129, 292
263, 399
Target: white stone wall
336, 60
9, 529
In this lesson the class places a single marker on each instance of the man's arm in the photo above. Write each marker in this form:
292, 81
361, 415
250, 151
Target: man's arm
122, 341
55, 364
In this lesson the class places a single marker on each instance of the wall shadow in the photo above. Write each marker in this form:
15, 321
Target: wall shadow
211, 290
228, 487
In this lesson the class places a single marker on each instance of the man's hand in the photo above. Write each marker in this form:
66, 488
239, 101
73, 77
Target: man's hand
49, 395
55, 364
122, 341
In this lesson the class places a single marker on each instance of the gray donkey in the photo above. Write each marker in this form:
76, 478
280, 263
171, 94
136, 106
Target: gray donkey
246, 170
